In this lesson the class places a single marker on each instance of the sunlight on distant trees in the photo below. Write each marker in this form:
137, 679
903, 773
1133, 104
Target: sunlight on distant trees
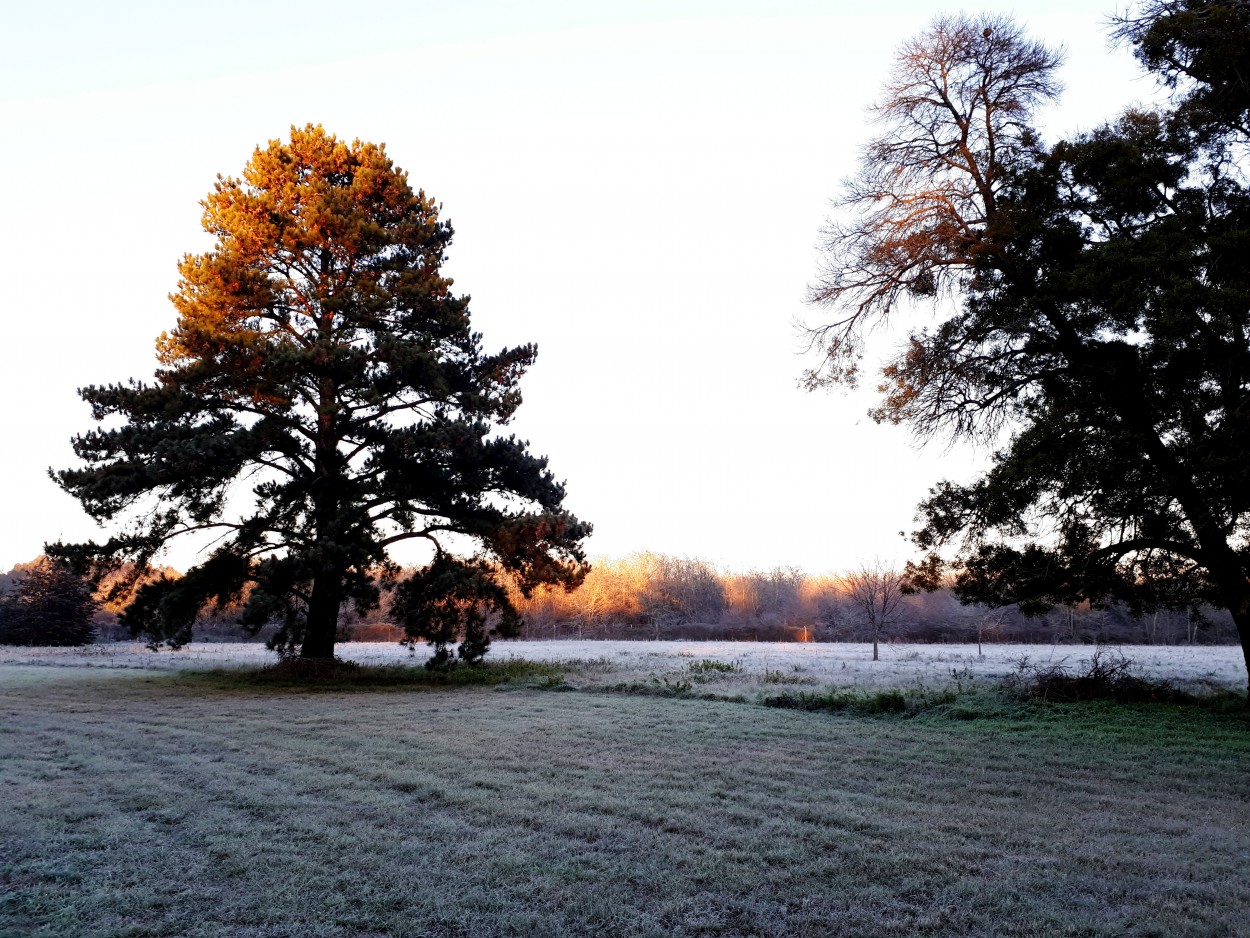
649, 596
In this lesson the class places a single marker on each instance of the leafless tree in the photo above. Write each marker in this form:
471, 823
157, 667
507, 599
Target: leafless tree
989, 621
681, 590
955, 117
876, 591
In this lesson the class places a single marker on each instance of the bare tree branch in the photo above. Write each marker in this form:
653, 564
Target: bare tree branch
955, 117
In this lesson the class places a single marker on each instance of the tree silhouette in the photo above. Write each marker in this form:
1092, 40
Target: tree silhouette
50, 605
1105, 330
321, 357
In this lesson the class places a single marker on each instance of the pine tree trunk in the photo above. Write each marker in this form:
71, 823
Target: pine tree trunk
323, 615
1241, 619
327, 591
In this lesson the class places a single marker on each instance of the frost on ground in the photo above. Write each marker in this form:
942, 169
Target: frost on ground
812, 664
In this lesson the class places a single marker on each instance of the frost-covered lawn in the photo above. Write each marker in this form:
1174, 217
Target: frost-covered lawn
833, 664
139, 803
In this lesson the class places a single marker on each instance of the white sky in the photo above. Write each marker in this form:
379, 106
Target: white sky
635, 186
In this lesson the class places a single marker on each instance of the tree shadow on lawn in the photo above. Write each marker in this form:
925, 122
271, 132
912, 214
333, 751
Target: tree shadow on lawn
340, 675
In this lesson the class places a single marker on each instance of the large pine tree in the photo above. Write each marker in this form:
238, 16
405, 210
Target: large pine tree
321, 398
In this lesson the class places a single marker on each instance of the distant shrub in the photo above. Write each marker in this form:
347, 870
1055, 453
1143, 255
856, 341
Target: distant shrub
51, 605
1108, 676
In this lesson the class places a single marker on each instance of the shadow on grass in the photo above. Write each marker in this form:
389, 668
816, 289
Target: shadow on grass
349, 676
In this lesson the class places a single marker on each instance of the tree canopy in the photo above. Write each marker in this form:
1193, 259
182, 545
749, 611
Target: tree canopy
321, 398
1101, 341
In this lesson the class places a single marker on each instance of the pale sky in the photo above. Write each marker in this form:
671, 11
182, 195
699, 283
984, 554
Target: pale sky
638, 187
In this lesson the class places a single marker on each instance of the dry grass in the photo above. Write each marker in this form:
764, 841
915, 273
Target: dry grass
143, 804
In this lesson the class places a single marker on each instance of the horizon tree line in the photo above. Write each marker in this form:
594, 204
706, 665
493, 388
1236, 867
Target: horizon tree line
647, 595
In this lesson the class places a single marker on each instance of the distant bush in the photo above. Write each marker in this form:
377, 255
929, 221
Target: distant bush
710, 666
777, 676
50, 605
1108, 676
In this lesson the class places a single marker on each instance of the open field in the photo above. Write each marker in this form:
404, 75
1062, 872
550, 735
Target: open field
820, 664
143, 803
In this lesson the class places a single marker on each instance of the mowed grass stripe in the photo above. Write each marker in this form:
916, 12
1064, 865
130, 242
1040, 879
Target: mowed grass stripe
153, 806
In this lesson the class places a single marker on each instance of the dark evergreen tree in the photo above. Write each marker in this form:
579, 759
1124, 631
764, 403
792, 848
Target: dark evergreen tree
50, 605
1105, 330
321, 356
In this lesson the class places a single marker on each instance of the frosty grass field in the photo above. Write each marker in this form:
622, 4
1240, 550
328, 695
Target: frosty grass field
143, 799
814, 664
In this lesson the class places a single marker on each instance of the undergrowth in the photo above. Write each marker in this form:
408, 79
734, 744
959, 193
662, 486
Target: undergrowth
777, 676
866, 702
712, 667
1108, 676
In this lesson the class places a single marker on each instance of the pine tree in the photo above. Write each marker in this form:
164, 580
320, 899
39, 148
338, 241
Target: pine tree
51, 605
320, 354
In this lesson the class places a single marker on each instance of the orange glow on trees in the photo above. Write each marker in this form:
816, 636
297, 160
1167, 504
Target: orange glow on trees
954, 118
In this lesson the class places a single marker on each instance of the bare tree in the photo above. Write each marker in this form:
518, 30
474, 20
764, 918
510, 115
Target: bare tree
991, 621
678, 590
876, 591
954, 118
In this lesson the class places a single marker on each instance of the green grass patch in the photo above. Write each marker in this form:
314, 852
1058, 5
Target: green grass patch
1102, 722
662, 686
1218, 715
838, 701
